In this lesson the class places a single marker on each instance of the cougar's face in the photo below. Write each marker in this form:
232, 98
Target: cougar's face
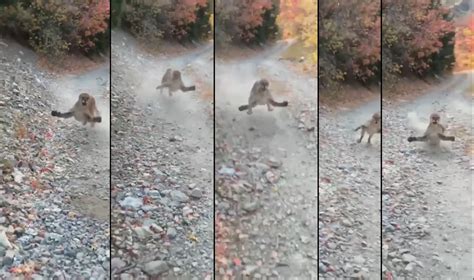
434, 118
84, 98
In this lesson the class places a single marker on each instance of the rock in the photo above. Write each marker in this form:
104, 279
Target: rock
407, 258
171, 233
117, 263
410, 267
4, 241
9, 257
250, 269
187, 211
361, 275
226, 171
250, 206
305, 239
131, 202
156, 228
18, 176
196, 193
274, 162
322, 268
126, 276
142, 233
175, 138
155, 268
52, 237
272, 176
346, 222
331, 245
178, 196
359, 259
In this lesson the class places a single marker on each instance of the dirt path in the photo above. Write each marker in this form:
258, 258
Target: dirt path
273, 158
349, 196
161, 165
89, 194
427, 213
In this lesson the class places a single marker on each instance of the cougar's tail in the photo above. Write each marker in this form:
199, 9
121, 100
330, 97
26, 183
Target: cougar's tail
279, 104
190, 88
243, 107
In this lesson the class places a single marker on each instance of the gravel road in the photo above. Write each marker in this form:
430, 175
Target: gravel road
427, 195
349, 202
162, 158
266, 166
54, 173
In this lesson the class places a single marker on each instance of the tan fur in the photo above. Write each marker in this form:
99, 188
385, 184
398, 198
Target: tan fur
84, 110
371, 127
173, 82
434, 132
261, 95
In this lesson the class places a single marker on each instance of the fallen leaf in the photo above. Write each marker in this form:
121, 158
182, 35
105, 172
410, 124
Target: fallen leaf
25, 269
237, 262
325, 180
72, 215
193, 237
35, 184
146, 200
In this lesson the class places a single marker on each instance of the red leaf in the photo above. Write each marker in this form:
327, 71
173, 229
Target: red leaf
325, 180
45, 169
146, 200
49, 135
237, 262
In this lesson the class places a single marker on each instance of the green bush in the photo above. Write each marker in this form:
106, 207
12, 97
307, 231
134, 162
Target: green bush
349, 42
54, 29
418, 38
180, 20
247, 21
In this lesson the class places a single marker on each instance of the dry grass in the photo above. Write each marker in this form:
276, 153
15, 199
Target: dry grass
21, 131
408, 89
72, 64
221, 233
231, 53
347, 96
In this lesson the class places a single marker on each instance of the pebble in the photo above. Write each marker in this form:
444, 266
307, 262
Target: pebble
9, 257
274, 162
171, 233
251, 206
359, 259
196, 193
155, 268
131, 202
117, 263
178, 196
126, 276
407, 258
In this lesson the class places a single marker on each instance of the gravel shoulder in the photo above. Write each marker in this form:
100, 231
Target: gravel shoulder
266, 171
349, 202
49, 227
162, 159
427, 196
